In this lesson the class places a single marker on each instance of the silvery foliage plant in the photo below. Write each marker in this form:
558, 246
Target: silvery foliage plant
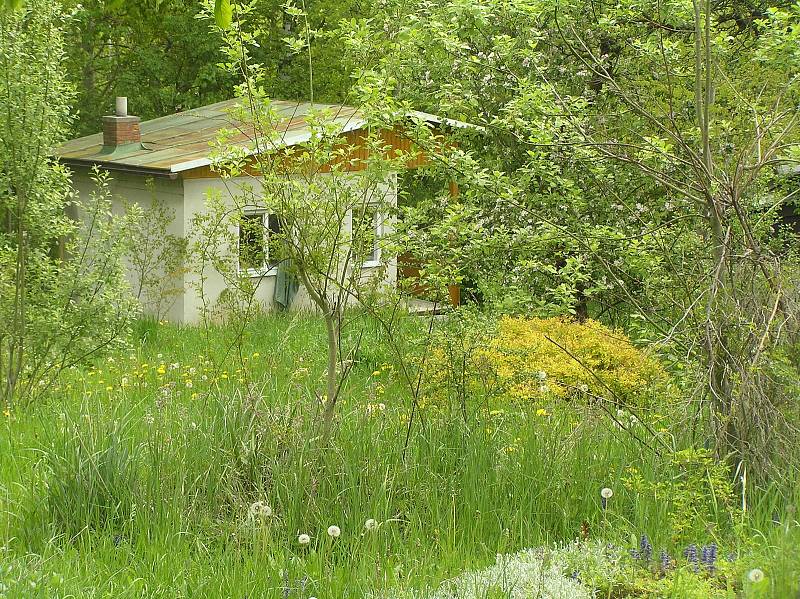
522, 575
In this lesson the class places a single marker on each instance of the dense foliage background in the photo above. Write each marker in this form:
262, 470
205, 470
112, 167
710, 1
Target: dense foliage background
623, 373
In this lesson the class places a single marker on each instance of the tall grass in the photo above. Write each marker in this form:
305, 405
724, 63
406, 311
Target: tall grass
127, 484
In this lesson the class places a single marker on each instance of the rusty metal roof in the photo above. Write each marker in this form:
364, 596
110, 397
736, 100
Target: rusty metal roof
183, 141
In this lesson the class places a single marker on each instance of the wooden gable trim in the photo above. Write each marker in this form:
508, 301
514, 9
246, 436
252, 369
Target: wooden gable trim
356, 161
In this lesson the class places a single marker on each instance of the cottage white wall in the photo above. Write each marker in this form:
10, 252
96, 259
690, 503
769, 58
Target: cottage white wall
196, 192
133, 188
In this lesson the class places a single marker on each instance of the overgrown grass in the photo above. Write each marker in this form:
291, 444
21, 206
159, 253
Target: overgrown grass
136, 477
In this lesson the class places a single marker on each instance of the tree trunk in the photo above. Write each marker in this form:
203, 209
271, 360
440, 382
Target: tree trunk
331, 385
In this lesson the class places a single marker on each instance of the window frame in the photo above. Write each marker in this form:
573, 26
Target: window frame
377, 227
268, 268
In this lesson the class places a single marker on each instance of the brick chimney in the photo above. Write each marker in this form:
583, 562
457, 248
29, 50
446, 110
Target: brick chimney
121, 128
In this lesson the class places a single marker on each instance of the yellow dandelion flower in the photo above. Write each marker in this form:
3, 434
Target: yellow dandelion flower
542, 412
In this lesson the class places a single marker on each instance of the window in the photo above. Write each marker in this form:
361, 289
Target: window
366, 232
257, 235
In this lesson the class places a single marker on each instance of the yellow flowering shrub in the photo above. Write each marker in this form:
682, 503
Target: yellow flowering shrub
533, 357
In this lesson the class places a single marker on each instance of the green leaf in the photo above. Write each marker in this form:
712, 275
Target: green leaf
13, 4
223, 13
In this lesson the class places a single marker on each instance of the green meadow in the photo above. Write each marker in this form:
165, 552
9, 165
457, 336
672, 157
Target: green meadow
190, 464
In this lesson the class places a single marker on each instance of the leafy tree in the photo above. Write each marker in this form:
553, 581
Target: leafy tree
631, 149
154, 255
157, 53
62, 290
326, 198
166, 59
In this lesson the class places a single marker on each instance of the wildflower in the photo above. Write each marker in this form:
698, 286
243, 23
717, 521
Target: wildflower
334, 531
605, 495
584, 388
690, 553
371, 524
256, 355
541, 375
542, 412
175, 366
664, 560
645, 548
109, 388
755, 575
304, 539
259, 509
188, 384
7, 413
159, 356
376, 373
124, 381
708, 557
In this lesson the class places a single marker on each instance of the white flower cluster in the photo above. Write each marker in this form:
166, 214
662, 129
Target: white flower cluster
519, 576
259, 510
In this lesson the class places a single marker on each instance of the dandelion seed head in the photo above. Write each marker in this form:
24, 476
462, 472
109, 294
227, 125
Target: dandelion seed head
259, 509
755, 575
334, 531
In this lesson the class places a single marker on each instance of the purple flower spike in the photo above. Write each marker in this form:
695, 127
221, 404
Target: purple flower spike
710, 557
664, 560
645, 548
691, 555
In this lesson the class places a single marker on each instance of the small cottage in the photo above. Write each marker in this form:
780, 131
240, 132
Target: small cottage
169, 158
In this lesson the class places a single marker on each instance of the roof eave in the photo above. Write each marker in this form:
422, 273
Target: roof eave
117, 167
